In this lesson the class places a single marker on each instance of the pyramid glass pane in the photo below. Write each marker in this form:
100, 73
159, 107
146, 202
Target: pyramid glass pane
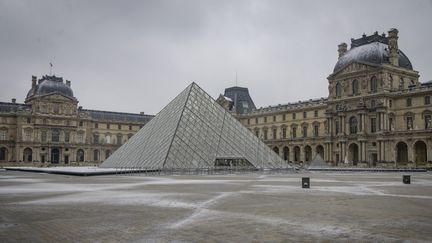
193, 131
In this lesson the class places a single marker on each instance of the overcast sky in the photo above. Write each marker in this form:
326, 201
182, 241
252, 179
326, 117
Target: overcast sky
134, 56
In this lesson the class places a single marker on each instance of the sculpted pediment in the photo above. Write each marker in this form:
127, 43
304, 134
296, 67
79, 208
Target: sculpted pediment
58, 97
354, 67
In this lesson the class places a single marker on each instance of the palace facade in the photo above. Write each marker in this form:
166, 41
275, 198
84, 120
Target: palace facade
50, 127
377, 113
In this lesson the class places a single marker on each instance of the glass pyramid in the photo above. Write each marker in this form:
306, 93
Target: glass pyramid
193, 131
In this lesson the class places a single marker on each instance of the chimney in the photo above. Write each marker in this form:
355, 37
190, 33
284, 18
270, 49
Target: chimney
393, 47
34, 81
13, 100
342, 48
68, 83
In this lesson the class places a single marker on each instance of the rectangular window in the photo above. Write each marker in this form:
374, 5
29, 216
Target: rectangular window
265, 119
293, 116
44, 136
316, 129
119, 126
304, 131
80, 123
108, 126
408, 102
284, 117
284, 130
274, 133
28, 120
96, 125
390, 103
428, 121
248, 122
130, 127
316, 113
427, 100
95, 138
67, 137
337, 129
409, 123
265, 134
2, 135
27, 135
274, 118
294, 132
55, 136
80, 138
391, 125
256, 120
257, 133
373, 125
304, 114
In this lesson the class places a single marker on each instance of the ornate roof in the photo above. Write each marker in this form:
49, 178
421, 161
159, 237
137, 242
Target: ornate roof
50, 84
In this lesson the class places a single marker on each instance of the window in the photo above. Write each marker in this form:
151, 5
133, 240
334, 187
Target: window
274, 133
373, 125
353, 125
119, 139
355, 87
96, 125
265, 134
119, 126
427, 100
80, 137
401, 83
108, 126
391, 124
372, 103
315, 130
409, 122
45, 121
55, 135
338, 90
96, 155
67, 136
96, 138
130, 126
108, 139
257, 133
304, 114
44, 136
80, 155
3, 134
67, 123
294, 132
3, 154
56, 109
28, 120
284, 130
428, 121
408, 102
337, 130
248, 122
390, 103
304, 131
284, 117
274, 118
256, 120
265, 119
80, 123
27, 135
373, 84
293, 116
315, 113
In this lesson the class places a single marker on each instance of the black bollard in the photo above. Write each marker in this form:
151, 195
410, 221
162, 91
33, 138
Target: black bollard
406, 179
305, 182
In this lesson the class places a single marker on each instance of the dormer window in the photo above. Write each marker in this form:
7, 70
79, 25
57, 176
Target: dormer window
373, 84
338, 90
355, 87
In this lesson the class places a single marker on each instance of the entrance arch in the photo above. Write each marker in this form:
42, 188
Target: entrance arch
28, 155
308, 153
296, 153
353, 155
320, 150
286, 153
420, 149
276, 150
55, 156
401, 153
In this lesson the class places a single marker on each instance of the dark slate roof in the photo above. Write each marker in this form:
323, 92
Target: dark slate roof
50, 84
13, 107
370, 49
118, 116
243, 103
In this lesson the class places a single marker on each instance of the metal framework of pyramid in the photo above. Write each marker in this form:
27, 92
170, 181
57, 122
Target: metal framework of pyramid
193, 131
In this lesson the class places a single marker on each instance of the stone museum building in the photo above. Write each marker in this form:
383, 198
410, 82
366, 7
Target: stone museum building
50, 127
377, 113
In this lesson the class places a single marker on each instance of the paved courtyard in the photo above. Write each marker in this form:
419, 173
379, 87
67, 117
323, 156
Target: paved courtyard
36, 207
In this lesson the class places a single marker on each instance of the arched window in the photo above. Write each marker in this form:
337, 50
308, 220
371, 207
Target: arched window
353, 125
338, 90
373, 84
355, 87
80, 155
27, 155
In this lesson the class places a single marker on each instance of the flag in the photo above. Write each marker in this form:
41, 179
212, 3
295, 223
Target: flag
51, 64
